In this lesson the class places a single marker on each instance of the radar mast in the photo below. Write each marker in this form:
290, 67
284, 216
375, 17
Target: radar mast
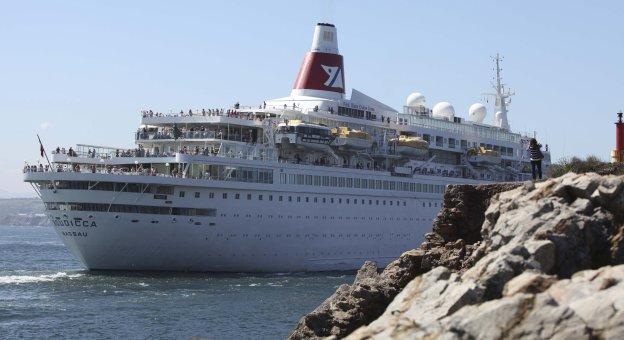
502, 96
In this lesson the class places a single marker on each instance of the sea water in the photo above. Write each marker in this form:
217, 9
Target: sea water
45, 293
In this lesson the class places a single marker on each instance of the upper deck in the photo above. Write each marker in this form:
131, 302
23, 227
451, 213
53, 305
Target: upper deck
212, 116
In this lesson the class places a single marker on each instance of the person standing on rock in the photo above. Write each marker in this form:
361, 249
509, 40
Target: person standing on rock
536, 155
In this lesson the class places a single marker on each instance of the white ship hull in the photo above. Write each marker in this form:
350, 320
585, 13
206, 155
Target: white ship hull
308, 230
247, 246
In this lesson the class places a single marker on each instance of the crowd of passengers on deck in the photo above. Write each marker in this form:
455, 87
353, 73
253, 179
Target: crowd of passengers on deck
62, 151
232, 134
109, 169
203, 112
139, 170
234, 113
211, 150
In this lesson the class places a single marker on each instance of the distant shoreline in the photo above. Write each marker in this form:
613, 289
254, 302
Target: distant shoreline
22, 212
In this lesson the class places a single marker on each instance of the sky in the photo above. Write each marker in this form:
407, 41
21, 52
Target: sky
80, 71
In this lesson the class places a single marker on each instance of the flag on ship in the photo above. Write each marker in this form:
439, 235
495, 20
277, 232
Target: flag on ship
41, 149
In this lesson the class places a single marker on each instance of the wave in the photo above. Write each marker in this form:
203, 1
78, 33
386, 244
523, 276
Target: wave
19, 279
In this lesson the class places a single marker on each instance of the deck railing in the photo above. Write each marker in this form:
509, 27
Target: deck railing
190, 135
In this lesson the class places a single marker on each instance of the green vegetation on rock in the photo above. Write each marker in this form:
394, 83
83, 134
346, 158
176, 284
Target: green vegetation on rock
589, 164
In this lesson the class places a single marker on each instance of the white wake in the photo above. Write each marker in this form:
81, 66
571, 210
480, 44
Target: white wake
19, 279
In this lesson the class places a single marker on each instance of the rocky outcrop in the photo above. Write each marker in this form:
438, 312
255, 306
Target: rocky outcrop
532, 237
352, 306
589, 305
545, 262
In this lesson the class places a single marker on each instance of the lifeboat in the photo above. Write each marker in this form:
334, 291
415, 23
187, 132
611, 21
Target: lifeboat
482, 155
305, 135
410, 145
351, 139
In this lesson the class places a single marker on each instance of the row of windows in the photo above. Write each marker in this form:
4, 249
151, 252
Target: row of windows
237, 175
324, 235
356, 113
108, 186
363, 183
354, 218
252, 175
307, 199
133, 209
160, 190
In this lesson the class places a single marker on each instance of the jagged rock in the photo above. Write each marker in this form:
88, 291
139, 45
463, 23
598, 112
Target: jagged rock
543, 252
560, 227
590, 305
449, 244
529, 282
462, 215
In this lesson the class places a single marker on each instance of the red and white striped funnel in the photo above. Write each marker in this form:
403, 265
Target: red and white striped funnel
322, 71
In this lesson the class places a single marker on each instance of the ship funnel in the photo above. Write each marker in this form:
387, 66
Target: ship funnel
322, 71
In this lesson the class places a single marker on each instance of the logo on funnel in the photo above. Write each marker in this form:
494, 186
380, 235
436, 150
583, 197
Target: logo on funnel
321, 71
335, 78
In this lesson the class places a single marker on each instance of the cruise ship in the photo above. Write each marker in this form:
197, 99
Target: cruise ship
314, 181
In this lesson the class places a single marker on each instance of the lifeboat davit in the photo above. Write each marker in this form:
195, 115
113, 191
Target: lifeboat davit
482, 155
305, 135
410, 145
351, 139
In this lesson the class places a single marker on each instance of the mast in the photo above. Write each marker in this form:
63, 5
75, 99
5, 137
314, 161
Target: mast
502, 95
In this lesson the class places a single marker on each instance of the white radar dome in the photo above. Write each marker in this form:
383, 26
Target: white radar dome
444, 110
415, 99
477, 112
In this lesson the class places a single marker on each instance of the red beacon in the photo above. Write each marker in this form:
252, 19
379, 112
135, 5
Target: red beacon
617, 155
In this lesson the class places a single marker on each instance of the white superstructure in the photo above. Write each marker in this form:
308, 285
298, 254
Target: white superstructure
309, 182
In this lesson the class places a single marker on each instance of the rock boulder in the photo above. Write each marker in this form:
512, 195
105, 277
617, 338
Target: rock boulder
531, 260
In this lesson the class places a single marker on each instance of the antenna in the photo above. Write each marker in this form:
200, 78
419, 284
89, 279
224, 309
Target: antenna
502, 96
